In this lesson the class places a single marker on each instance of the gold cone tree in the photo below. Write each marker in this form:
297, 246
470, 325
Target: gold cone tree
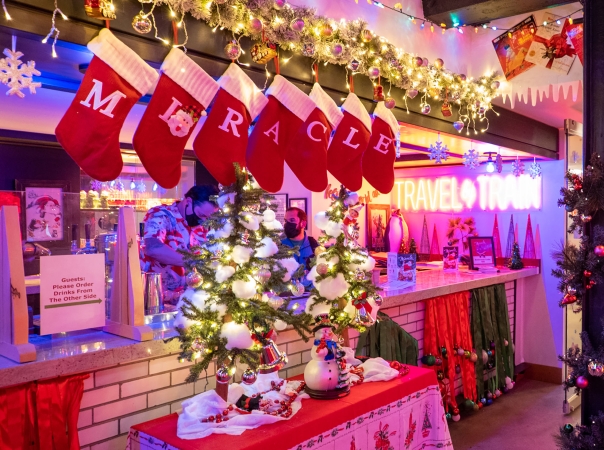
232, 306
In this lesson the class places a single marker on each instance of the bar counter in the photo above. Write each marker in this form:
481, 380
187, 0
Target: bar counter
90, 350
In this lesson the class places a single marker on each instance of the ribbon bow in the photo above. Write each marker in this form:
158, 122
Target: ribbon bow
361, 302
261, 338
555, 47
331, 347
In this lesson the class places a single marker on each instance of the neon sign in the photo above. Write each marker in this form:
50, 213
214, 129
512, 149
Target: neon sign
487, 192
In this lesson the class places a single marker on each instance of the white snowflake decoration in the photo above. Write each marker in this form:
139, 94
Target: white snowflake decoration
534, 170
470, 159
438, 152
140, 187
517, 167
17, 75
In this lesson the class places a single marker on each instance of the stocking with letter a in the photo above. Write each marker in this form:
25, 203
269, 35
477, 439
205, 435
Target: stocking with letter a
114, 81
348, 143
288, 108
182, 94
223, 137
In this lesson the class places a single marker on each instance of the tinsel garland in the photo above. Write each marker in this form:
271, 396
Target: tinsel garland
584, 362
348, 43
202, 341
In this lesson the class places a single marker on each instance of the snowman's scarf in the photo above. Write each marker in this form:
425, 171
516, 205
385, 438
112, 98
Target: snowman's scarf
330, 345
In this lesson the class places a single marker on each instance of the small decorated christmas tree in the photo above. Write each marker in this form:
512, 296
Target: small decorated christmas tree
412, 246
515, 261
232, 305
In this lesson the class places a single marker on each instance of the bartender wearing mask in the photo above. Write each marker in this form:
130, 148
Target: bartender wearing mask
295, 236
170, 228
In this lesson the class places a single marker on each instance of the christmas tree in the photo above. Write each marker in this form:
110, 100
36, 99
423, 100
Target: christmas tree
232, 304
424, 243
529, 242
435, 249
496, 238
341, 273
412, 246
511, 239
515, 262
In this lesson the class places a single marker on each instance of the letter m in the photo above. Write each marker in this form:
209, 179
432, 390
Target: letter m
96, 95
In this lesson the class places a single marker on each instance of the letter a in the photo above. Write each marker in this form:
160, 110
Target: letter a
98, 101
274, 130
229, 121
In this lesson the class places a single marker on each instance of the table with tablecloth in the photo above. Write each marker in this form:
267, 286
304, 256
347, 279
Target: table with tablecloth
405, 413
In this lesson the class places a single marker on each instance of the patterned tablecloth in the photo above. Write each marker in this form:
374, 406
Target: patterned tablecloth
405, 413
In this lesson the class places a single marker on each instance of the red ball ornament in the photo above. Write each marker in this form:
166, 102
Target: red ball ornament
599, 250
455, 411
587, 273
581, 382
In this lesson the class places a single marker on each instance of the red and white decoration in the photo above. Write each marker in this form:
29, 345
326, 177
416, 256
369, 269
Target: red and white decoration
114, 81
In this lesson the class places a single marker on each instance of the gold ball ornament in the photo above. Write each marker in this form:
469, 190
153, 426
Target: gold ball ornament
439, 63
389, 103
434, 92
142, 24
320, 249
233, 50
326, 30
194, 279
366, 35
256, 25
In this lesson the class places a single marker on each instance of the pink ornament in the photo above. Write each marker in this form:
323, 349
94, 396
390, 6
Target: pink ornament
256, 25
412, 93
389, 103
280, 4
495, 85
297, 25
419, 61
581, 382
599, 250
458, 125
337, 49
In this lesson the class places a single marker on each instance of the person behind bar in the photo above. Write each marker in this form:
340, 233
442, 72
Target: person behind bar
169, 228
295, 236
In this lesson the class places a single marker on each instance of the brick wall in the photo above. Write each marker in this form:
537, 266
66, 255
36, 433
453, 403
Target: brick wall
118, 397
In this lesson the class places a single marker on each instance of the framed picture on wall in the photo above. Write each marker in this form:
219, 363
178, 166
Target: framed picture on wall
281, 201
299, 203
482, 252
377, 220
43, 216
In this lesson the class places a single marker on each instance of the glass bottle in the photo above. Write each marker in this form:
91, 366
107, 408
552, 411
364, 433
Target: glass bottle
88, 248
75, 246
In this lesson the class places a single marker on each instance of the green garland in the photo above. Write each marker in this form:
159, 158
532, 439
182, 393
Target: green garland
362, 51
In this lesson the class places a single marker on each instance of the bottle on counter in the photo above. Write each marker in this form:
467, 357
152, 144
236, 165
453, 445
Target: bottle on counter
88, 247
75, 246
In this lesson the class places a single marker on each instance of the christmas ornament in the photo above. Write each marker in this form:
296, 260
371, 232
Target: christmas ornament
389, 103
599, 250
366, 35
534, 169
271, 359
473, 356
470, 159
322, 268
412, 93
426, 108
426, 62
100, 9
439, 63
587, 273
460, 351
378, 299
428, 360
256, 25
446, 109
517, 167
279, 4
264, 275
568, 208
463, 77
568, 428
581, 382
570, 380
419, 61
378, 93
585, 218
194, 279
337, 49
308, 49
571, 290
354, 65
595, 368
249, 376
326, 30
233, 50
141, 23
275, 301
495, 85
440, 375
297, 25
434, 93
297, 289
438, 151
574, 212
320, 249
16, 74
359, 275
222, 375
263, 52
373, 72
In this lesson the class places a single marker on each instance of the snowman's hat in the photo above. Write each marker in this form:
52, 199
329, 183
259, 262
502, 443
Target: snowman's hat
322, 321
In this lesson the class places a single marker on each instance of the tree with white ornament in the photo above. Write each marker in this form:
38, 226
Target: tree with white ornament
232, 306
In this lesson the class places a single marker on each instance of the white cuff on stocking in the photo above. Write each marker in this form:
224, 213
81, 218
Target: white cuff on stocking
291, 97
352, 105
386, 115
183, 71
239, 85
326, 104
126, 63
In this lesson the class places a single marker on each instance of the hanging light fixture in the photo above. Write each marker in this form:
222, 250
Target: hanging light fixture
490, 162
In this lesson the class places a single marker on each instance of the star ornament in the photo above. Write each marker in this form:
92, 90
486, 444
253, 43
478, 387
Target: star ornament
18, 75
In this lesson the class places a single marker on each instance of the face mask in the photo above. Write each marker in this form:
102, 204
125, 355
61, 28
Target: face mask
291, 229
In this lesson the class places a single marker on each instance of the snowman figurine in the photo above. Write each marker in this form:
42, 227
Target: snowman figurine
326, 375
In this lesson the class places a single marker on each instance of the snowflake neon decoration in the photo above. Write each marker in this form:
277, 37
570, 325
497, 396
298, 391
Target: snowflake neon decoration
17, 75
534, 169
470, 159
438, 152
140, 187
517, 167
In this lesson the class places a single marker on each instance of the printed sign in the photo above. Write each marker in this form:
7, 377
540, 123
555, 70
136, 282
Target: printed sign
513, 46
450, 258
72, 293
482, 252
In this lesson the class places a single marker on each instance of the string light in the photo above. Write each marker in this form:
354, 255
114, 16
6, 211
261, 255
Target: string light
6, 14
53, 29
